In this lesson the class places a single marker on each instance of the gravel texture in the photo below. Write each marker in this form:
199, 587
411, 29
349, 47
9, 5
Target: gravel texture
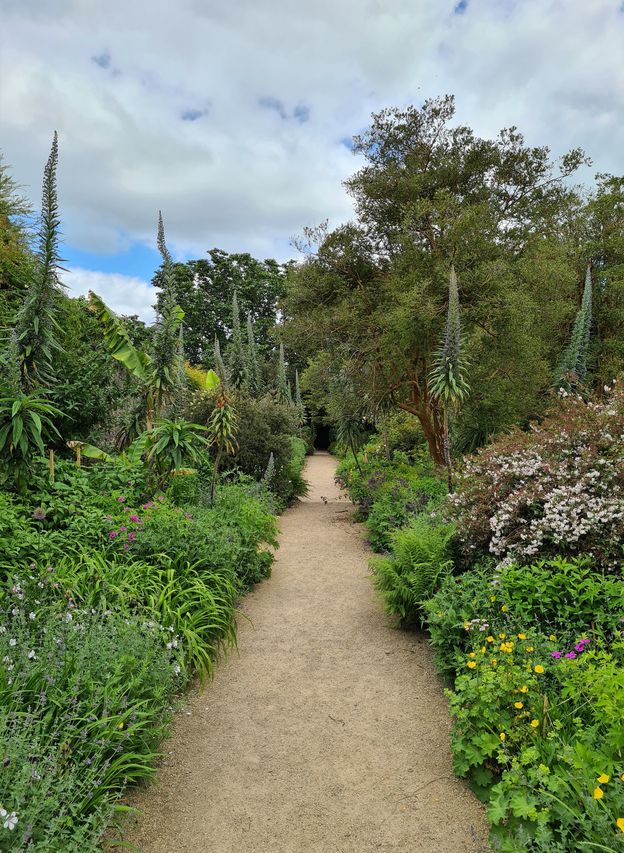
328, 731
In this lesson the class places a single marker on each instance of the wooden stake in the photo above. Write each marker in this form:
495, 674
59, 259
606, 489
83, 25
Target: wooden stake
51, 466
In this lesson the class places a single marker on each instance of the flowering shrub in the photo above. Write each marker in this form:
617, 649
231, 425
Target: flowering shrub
558, 488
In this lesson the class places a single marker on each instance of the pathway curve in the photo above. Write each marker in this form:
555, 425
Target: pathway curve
328, 732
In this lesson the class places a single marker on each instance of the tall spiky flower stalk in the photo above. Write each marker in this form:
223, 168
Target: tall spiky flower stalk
573, 368
282, 381
301, 413
220, 368
447, 380
253, 367
168, 349
236, 355
36, 325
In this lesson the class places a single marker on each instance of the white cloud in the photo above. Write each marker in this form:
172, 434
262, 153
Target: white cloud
117, 78
124, 294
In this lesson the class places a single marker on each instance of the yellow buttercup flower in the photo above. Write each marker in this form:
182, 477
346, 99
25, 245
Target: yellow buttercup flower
522, 636
518, 705
471, 655
502, 636
552, 638
489, 639
603, 778
471, 664
494, 661
598, 793
530, 649
539, 668
622, 777
492, 598
524, 689
535, 723
620, 823
482, 650
502, 735
504, 608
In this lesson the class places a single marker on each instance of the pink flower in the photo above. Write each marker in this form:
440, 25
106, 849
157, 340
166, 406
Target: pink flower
131, 537
122, 529
121, 499
555, 655
126, 546
112, 534
134, 518
571, 655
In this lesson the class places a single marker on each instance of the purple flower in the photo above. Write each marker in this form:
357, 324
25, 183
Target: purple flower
134, 518
122, 529
131, 537
121, 499
112, 534
555, 655
571, 655
126, 546
39, 514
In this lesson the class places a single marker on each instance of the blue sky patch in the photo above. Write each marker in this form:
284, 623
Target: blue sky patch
461, 7
193, 114
139, 260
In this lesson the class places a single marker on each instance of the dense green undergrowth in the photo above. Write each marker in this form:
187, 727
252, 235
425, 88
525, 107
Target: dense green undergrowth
111, 600
518, 579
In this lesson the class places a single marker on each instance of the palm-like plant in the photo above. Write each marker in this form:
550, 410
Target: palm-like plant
171, 445
447, 381
25, 420
222, 428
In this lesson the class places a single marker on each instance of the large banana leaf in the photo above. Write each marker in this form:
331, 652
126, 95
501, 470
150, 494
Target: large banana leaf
118, 340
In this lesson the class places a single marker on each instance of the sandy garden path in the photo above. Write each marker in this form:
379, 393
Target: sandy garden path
329, 730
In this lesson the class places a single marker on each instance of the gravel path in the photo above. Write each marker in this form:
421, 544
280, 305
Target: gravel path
329, 730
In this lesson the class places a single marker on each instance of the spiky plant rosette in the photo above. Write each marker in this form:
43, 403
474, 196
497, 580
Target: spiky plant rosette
447, 380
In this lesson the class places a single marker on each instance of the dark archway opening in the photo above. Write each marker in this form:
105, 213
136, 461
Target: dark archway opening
322, 437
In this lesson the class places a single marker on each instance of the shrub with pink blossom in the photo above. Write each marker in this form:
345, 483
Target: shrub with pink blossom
557, 488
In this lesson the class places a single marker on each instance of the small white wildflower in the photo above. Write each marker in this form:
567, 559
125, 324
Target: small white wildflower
31, 655
32, 616
9, 821
12, 641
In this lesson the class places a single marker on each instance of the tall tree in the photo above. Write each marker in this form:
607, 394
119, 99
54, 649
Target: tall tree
205, 289
17, 261
373, 294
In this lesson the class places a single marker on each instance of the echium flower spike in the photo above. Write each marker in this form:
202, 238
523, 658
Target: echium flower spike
35, 324
447, 381
573, 368
167, 341
236, 353
220, 365
253, 368
283, 395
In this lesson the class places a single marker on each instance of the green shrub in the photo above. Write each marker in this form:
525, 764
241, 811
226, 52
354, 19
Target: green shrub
84, 700
419, 559
390, 493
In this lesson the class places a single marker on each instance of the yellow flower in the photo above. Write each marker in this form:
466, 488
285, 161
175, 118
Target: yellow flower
466, 626
620, 823
471, 655
494, 661
492, 598
524, 689
598, 793
490, 639
522, 636
482, 650
622, 777
502, 735
552, 638
121, 725
518, 705
504, 608
603, 778
471, 664
530, 649
535, 723
502, 636
539, 668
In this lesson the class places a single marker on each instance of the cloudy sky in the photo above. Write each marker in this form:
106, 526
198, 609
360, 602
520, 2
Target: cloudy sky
235, 116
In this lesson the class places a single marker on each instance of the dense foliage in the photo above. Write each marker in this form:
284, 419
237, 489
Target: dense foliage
517, 577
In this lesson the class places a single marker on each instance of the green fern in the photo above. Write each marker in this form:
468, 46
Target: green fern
419, 558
